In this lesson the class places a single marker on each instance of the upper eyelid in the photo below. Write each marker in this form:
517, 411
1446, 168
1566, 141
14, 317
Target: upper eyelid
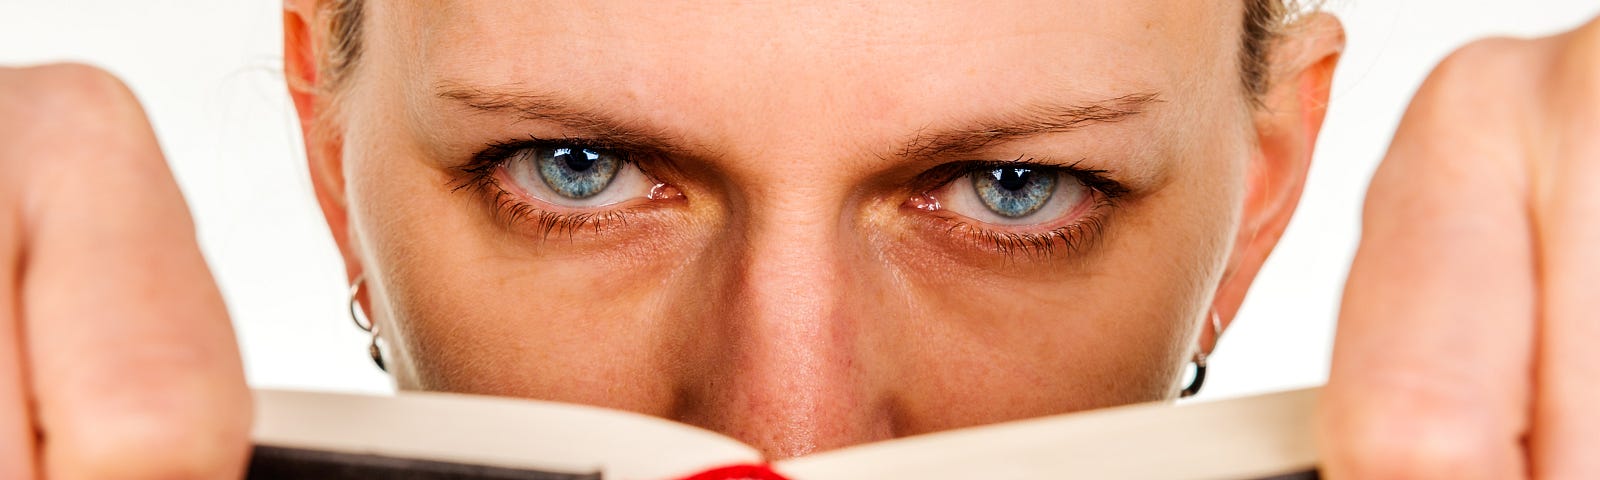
943, 174
496, 153
517, 211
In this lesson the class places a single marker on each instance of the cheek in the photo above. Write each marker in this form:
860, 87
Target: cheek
469, 306
1111, 328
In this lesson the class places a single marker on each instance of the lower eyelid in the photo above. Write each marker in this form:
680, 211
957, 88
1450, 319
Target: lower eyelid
517, 214
1071, 239
1077, 230
519, 211
1079, 233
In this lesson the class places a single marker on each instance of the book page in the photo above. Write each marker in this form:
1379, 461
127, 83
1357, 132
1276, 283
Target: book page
1244, 438
500, 432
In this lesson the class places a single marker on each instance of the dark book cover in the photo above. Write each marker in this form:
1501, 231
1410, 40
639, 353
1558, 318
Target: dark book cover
279, 463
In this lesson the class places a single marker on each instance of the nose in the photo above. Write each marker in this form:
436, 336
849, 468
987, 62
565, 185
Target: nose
789, 375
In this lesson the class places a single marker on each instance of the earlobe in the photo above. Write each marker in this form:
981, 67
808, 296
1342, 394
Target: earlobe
1286, 124
323, 140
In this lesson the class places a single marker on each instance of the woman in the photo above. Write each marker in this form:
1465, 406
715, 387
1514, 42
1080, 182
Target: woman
806, 227
759, 243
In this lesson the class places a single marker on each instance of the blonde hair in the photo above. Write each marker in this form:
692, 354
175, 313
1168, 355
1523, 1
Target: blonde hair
1264, 22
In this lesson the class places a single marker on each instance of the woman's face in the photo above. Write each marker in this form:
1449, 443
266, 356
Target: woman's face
804, 225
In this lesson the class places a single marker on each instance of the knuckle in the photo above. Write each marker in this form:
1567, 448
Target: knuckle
1469, 60
1464, 121
1465, 75
51, 108
74, 74
1588, 34
148, 426
1578, 59
74, 116
164, 443
66, 89
1414, 435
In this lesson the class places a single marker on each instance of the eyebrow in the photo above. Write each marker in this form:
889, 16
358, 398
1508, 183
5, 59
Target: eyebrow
532, 105
1033, 121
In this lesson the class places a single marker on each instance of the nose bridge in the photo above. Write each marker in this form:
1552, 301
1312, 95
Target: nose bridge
789, 266
788, 380
791, 234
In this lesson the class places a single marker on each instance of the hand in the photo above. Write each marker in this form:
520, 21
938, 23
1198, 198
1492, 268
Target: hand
1469, 339
116, 356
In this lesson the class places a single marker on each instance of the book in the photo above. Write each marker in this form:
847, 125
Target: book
425, 436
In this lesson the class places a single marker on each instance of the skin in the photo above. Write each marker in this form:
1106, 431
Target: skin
786, 294
1470, 282
1465, 343
114, 335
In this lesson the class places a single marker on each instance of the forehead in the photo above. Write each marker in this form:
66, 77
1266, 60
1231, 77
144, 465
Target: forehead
880, 61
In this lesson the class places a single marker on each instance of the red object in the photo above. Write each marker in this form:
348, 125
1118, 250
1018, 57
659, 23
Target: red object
737, 472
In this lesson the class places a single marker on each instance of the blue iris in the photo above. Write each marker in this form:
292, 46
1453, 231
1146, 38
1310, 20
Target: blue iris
1014, 192
577, 173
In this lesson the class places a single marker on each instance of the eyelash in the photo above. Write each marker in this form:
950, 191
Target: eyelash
1073, 237
1041, 245
478, 174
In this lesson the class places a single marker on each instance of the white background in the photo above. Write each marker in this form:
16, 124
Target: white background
208, 72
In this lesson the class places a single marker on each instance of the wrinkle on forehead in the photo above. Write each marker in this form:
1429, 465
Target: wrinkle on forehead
866, 73
514, 41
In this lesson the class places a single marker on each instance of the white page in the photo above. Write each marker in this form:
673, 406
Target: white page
502, 432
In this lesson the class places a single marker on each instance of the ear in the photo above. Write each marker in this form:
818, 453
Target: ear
304, 41
1286, 124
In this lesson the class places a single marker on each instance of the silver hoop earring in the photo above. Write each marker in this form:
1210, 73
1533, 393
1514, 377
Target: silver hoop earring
1200, 359
367, 325
1199, 376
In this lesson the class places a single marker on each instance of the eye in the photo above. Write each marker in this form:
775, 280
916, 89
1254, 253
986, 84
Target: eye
1014, 195
576, 173
576, 176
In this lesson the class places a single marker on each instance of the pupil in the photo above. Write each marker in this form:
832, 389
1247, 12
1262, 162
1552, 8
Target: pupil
579, 160
1013, 179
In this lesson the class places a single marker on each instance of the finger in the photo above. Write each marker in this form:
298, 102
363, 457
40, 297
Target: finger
132, 359
16, 427
1432, 360
1567, 409
18, 106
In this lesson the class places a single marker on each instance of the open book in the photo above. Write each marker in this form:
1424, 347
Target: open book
436, 436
